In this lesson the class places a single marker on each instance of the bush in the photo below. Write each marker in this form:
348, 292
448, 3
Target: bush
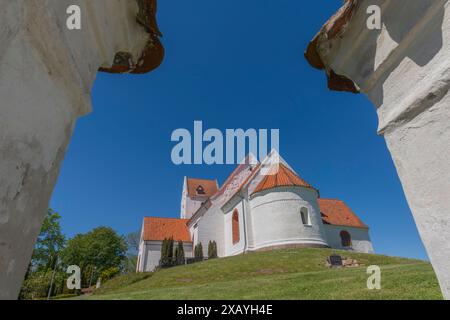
198, 252
166, 253
179, 254
212, 250
109, 273
37, 284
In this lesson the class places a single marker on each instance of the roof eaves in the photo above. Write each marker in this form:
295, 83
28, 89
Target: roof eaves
333, 28
153, 53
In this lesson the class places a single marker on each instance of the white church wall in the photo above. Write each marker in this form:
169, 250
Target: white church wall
151, 254
360, 238
140, 259
211, 228
188, 206
193, 230
230, 247
249, 223
191, 207
276, 219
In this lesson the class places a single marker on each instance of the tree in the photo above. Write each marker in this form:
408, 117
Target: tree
163, 259
179, 253
215, 249
212, 250
44, 260
49, 243
198, 252
170, 249
94, 252
166, 253
132, 240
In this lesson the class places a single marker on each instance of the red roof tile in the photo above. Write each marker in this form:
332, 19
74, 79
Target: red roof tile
284, 177
161, 228
336, 212
197, 186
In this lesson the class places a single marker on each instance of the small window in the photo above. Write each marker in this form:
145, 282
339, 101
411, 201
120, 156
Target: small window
305, 217
346, 239
235, 227
200, 190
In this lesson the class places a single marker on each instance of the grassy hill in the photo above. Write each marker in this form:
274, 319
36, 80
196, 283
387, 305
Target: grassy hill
281, 274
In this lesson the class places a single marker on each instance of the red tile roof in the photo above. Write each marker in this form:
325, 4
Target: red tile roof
336, 212
228, 184
161, 228
209, 187
244, 169
284, 177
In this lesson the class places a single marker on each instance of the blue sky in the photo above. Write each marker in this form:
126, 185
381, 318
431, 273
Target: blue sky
230, 64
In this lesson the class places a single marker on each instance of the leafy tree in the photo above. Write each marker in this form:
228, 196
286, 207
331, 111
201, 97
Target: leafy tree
132, 240
44, 260
49, 243
109, 273
95, 252
36, 285
129, 264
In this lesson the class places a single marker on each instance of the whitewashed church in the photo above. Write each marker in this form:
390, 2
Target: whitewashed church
261, 206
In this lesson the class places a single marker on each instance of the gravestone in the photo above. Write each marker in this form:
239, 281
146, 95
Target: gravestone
335, 261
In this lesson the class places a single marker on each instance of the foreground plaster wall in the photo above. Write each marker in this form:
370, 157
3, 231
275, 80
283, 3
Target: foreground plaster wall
46, 75
404, 68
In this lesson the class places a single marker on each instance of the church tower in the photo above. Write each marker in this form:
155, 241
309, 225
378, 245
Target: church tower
195, 192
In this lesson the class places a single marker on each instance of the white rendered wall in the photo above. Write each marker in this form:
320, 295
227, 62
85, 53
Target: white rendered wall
188, 206
151, 254
211, 227
46, 75
276, 219
360, 238
231, 248
405, 71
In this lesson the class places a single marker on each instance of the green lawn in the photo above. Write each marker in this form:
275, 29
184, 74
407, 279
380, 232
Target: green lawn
281, 274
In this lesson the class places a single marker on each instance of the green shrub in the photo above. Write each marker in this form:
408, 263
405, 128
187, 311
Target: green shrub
198, 252
109, 273
179, 254
212, 250
166, 253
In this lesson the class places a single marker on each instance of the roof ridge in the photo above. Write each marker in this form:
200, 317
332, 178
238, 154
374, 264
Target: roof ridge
154, 217
333, 199
215, 179
275, 180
